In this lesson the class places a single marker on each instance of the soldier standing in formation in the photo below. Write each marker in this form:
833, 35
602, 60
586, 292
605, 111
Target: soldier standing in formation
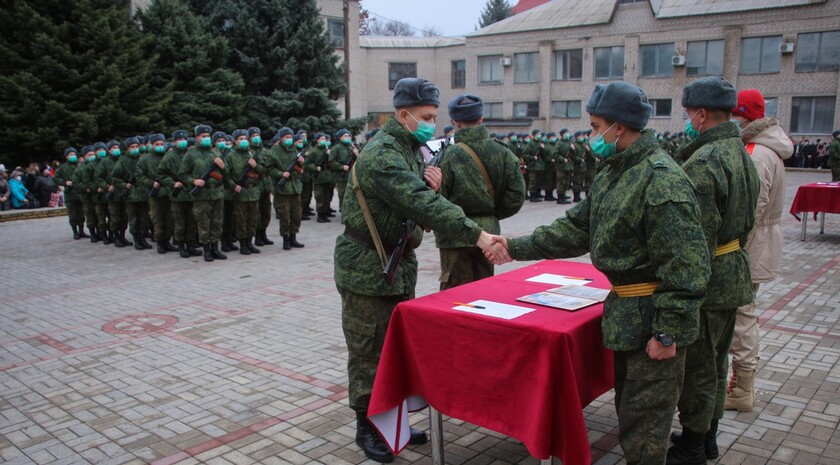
285, 161
160, 208
342, 157
184, 225
245, 183
317, 163
532, 154
85, 190
564, 165
72, 198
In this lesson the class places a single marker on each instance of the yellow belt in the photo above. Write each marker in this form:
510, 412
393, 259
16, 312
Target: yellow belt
636, 290
729, 247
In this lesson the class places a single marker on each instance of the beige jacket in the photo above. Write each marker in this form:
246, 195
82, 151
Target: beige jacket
764, 244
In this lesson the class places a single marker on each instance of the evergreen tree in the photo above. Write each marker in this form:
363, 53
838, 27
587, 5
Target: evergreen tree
494, 11
193, 62
73, 72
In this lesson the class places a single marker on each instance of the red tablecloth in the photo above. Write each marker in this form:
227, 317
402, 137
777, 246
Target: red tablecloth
818, 197
528, 378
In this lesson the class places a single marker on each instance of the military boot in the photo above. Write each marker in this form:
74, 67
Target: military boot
106, 237
286, 244
251, 246
232, 242
741, 396
208, 253
563, 200
258, 238
265, 238
323, 219
535, 198
76, 235
118, 240
369, 440
294, 243
145, 243
94, 236
82, 234
709, 444
225, 244
161, 248
138, 242
690, 450
243, 248
577, 197
125, 241
214, 249
182, 250
169, 247
192, 248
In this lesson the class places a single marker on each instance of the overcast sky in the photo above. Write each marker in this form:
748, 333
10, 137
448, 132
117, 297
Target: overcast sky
450, 17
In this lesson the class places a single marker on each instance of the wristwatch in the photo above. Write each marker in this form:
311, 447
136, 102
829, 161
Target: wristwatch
665, 339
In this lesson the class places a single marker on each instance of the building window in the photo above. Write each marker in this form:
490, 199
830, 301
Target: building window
609, 63
761, 55
526, 67
656, 60
661, 108
705, 57
490, 69
565, 109
568, 65
397, 71
819, 51
526, 109
771, 107
493, 110
812, 115
459, 74
335, 30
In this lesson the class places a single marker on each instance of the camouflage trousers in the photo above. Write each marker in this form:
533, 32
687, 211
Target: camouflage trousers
306, 195
562, 182
229, 221
75, 212
577, 181
646, 393
535, 182
835, 174
364, 320
588, 178
265, 210
90, 215
744, 349
549, 181
463, 265
183, 222
706, 360
288, 208
246, 216
209, 215
340, 186
160, 215
323, 195
138, 217
102, 216
118, 216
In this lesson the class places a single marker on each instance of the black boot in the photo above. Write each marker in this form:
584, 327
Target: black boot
265, 239
258, 238
563, 200
417, 437
577, 197
286, 244
106, 237
251, 246
118, 240
305, 217
225, 244
138, 242
550, 196
182, 250
232, 243
208, 253
94, 236
82, 234
243, 248
323, 219
294, 243
192, 248
214, 249
145, 243
535, 198
169, 247
710, 443
369, 440
125, 241
76, 235
689, 451
161, 248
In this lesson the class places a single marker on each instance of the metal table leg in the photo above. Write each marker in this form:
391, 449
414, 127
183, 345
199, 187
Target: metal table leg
436, 429
548, 461
804, 224
822, 223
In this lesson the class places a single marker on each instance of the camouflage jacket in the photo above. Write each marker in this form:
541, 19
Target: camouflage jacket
318, 157
194, 164
578, 165
533, 154
278, 160
727, 187
63, 174
640, 223
236, 162
589, 159
83, 181
341, 155
102, 174
834, 153
464, 185
147, 173
168, 174
564, 159
123, 171
390, 173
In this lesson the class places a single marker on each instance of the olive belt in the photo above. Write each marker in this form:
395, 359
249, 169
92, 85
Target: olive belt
729, 247
636, 290
366, 241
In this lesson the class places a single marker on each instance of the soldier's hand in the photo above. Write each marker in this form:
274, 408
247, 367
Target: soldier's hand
127, 186
252, 162
111, 188
317, 168
178, 185
198, 182
287, 174
300, 159
69, 183
656, 351
495, 248
220, 163
155, 184
346, 167
237, 189
355, 151
434, 177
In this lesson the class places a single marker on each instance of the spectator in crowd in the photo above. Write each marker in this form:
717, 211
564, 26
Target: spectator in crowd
30, 174
44, 187
822, 155
5, 190
809, 154
19, 192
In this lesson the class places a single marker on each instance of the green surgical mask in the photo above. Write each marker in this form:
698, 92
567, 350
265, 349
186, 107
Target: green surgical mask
346, 140
299, 145
159, 148
514, 139
72, 158
425, 130
288, 142
134, 152
205, 142
244, 144
181, 144
256, 140
142, 149
689, 128
323, 143
601, 148
101, 153
221, 145
116, 152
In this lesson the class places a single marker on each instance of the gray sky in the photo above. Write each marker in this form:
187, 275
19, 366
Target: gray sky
450, 17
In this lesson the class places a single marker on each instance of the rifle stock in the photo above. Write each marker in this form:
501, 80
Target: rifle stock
206, 175
282, 181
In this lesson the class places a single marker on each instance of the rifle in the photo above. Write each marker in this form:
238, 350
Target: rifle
209, 171
154, 190
242, 176
323, 163
292, 165
109, 196
132, 180
406, 231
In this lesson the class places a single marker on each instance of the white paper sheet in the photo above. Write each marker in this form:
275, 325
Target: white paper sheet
560, 280
494, 309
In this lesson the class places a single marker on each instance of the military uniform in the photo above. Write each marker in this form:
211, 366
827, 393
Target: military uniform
183, 222
115, 206
834, 157
136, 198
72, 200
564, 168
287, 203
160, 208
208, 203
551, 162
578, 167
463, 185
533, 156
86, 190
641, 225
246, 209
340, 156
591, 163
317, 163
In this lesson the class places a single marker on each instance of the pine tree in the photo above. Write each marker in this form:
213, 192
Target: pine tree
193, 62
73, 72
494, 11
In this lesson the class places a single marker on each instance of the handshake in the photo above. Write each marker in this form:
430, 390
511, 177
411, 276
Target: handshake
495, 248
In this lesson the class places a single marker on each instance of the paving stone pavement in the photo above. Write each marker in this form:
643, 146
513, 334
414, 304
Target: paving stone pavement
121, 357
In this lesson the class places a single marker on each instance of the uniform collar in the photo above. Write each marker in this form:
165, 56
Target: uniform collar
400, 134
474, 134
633, 155
721, 131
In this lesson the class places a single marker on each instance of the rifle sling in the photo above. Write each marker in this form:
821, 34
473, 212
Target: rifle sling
481, 168
374, 233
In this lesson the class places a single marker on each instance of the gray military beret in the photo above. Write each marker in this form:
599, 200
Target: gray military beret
410, 92
202, 128
622, 102
239, 133
157, 137
465, 107
86, 149
712, 92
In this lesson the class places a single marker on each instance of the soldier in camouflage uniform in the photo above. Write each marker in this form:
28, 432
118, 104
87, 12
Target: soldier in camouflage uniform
641, 226
307, 190
85, 190
591, 168
287, 198
149, 181
564, 165
64, 178
208, 202
260, 153
578, 165
342, 157
532, 153
550, 152
223, 146
727, 188
115, 204
464, 185
245, 182
317, 163
390, 174
183, 223
136, 200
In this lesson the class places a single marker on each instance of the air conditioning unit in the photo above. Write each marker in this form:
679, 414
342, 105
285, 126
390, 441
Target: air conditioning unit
786, 47
678, 60
505, 61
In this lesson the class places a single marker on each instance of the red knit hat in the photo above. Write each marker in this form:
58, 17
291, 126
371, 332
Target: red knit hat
750, 105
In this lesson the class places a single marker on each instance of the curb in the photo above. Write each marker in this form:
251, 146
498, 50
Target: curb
15, 215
